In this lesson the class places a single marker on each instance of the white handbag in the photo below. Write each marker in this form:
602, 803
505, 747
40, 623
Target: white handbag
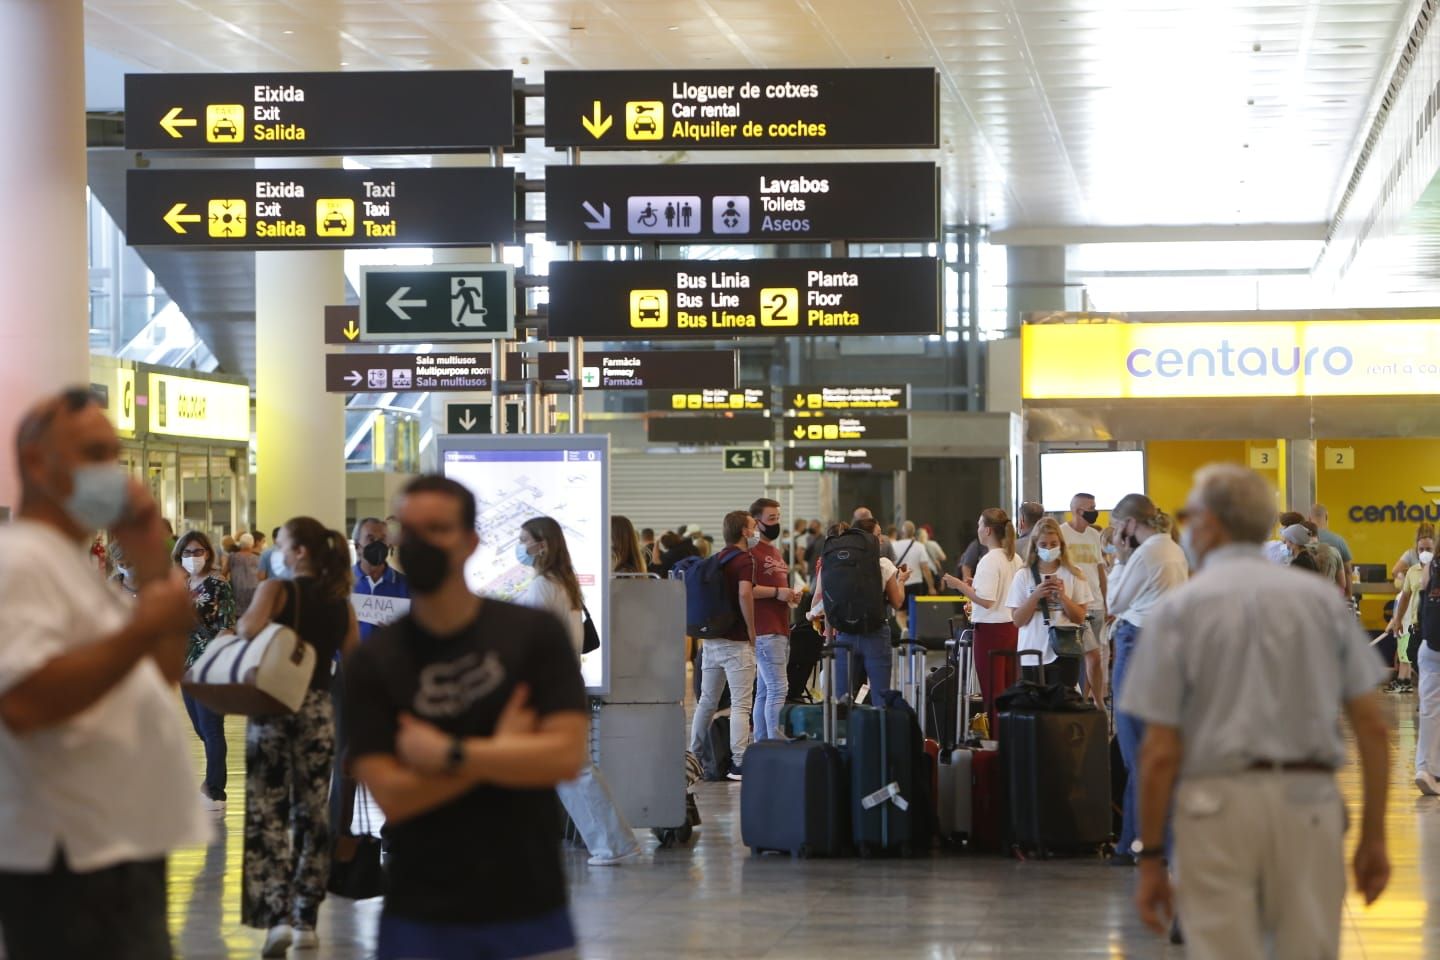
265, 675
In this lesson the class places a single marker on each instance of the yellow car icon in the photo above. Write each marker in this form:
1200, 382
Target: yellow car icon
224, 129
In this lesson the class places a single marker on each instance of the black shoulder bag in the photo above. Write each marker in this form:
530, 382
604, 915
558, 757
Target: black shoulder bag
1066, 640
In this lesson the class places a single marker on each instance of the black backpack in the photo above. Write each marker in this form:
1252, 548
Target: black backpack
854, 597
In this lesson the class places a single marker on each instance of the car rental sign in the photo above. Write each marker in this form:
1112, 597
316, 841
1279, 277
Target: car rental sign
662, 300
1336, 358
663, 109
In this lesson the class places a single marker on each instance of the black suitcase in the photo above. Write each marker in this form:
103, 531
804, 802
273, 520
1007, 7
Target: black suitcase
795, 796
714, 753
1056, 770
886, 788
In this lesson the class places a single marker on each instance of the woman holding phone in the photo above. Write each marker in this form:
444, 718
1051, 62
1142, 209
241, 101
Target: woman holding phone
988, 593
1049, 591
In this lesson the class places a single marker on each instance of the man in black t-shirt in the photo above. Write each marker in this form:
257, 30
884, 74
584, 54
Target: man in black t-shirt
463, 716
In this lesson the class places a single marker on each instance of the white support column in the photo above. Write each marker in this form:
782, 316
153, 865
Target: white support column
44, 328
299, 428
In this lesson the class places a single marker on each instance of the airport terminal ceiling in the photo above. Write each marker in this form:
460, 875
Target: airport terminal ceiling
1055, 114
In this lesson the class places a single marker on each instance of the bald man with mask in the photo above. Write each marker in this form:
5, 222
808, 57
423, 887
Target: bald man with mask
96, 781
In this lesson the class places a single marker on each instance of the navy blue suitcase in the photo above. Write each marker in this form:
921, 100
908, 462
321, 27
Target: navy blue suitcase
887, 791
795, 796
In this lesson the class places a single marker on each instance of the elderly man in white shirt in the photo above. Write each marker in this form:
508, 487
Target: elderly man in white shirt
96, 781
1152, 567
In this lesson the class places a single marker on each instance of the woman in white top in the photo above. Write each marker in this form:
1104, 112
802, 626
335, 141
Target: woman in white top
1049, 587
995, 631
541, 544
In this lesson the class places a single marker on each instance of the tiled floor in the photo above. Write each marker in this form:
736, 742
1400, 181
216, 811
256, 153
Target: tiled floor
714, 900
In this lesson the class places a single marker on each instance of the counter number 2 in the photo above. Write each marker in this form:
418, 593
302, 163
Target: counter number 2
1339, 458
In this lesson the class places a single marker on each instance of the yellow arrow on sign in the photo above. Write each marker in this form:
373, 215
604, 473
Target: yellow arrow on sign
597, 126
351, 331
799, 433
172, 121
177, 218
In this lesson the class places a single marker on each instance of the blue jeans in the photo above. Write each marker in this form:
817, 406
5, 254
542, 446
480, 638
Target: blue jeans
772, 653
548, 935
588, 802
1129, 731
210, 728
872, 648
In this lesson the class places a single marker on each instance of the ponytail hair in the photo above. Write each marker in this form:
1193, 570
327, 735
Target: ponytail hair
328, 552
999, 523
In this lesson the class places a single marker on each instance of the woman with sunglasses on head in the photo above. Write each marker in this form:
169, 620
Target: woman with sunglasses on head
215, 612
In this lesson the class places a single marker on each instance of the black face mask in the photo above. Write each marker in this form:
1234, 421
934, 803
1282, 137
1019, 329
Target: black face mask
770, 531
426, 565
1090, 516
376, 553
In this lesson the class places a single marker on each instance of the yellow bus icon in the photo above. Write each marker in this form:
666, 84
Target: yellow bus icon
649, 309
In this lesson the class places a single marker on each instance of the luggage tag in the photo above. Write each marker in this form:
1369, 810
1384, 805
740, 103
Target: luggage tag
889, 792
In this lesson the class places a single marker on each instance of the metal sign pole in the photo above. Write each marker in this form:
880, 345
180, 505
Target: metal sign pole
577, 347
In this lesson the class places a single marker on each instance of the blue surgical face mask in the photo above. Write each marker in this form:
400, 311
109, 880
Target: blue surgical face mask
100, 495
1110, 548
1048, 554
523, 555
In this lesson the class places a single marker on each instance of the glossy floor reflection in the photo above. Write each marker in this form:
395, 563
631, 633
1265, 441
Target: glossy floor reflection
714, 900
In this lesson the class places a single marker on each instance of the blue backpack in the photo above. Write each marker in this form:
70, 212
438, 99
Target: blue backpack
710, 609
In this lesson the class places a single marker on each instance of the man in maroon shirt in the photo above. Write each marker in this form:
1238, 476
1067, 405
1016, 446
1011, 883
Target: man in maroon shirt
772, 620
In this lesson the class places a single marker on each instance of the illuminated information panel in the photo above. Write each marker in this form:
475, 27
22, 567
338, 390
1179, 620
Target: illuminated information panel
846, 458
847, 427
756, 202
517, 478
190, 407
646, 369
739, 398
663, 300
663, 109
278, 114
303, 209
820, 398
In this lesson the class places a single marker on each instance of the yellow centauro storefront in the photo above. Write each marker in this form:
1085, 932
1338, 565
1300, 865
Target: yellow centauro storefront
1338, 407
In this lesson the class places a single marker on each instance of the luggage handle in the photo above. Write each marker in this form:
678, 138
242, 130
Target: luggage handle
1019, 657
828, 712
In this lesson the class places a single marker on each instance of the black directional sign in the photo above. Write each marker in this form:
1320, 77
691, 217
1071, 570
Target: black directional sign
342, 324
727, 428
296, 114
664, 109
303, 209
646, 369
847, 427
475, 418
406, 372
755, 203
835, 397
747, 458
443, 302
846, 458
667, 300
696, 399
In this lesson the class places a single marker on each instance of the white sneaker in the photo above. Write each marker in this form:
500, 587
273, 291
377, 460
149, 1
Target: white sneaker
306, 939
613, 861
277, 941
1427, 784
211, 806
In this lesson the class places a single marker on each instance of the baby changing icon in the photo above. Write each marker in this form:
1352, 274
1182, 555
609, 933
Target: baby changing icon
468, 300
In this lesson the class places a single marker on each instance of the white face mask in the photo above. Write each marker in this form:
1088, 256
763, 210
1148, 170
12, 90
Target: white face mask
277, 565
101, 493
1048, 554
1426, 556
193, 565
752, 541
1187, 544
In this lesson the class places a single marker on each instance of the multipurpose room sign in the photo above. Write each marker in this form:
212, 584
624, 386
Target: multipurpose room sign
255, 114
651, 109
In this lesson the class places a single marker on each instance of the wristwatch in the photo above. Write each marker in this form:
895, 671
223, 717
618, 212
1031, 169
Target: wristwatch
1142, 852
456, 757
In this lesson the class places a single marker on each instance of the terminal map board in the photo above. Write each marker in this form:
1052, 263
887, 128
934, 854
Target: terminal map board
306, 208
518, 478
666, 300
309, 114
753, 203
729, 109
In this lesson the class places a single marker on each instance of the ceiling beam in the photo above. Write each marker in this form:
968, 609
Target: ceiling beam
1062, 236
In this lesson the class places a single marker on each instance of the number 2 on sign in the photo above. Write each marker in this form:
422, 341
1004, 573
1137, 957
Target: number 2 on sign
779, 307
1340, 458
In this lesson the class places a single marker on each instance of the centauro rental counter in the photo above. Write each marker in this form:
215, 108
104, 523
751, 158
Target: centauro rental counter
1337, 407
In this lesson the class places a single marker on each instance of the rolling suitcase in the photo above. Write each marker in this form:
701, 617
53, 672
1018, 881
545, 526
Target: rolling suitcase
714, 751
795, 796
1056, 766
887, 780
969, 805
